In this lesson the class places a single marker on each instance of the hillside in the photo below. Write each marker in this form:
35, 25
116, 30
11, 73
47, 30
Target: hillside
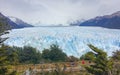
13, 25
108, 21
19, 22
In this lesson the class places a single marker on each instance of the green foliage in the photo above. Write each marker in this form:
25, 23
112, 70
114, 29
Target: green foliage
4, 56
3, 70
116, 68
28, 55
54, 54
116, 55
7, 57
116, 59
102, 65
45, 54
88, 56
13, 73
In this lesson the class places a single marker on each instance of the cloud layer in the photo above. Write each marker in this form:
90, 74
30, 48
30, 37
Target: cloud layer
57, 11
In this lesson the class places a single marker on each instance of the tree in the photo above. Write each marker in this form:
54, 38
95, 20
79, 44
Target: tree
116, 59
88, 56
56, 54
102, 65
3, 52
7, 57
3, 61
12, 55
28, 55
116, 55
45, 54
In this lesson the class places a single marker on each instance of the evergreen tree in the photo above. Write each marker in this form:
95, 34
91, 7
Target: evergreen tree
56, 54
102, 65
116, 66
3, 61
28, 55
3, 56
116, 55
7, 56
45, 53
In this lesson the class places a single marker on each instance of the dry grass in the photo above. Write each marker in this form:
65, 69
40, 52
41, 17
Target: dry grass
49, 68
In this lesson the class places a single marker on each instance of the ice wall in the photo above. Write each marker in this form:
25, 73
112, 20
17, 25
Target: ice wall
73, 40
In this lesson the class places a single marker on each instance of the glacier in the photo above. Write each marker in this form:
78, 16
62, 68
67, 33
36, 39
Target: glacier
72, 40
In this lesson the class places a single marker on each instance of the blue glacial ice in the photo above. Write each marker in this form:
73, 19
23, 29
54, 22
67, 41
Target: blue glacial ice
73, 40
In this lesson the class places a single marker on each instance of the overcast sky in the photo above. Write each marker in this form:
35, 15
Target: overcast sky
57, 11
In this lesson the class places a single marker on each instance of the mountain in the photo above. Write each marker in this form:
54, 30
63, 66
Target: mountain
3, 24
6, 21
13, 25
73, 40
76, 23
19, 22
39, 24
108, 21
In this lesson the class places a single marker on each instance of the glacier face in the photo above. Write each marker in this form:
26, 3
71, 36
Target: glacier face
73, 40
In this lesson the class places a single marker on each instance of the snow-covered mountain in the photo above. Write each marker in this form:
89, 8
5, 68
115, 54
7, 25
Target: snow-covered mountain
73, 40
19, 22
69, 23
13, 23
39, 24
76, 23
7, 21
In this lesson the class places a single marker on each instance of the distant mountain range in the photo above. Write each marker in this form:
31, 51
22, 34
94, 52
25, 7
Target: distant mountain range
13, 22
108, 21
77, 22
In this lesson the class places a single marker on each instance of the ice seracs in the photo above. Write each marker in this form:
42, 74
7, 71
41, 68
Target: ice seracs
73, 40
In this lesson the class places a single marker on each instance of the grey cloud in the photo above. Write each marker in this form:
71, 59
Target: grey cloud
57, 11
22, 6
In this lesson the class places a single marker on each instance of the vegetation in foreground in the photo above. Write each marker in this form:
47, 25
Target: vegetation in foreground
13, 56
100, 63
